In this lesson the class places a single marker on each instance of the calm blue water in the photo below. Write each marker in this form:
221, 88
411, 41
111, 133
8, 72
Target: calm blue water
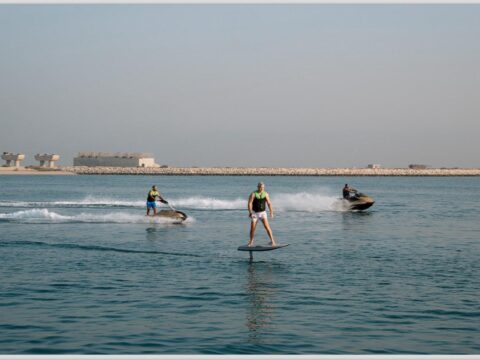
83, 271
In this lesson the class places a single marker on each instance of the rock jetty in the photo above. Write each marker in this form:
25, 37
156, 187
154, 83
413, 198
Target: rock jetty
266, 171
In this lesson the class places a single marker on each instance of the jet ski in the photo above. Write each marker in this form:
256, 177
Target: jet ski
359, 201
172, 214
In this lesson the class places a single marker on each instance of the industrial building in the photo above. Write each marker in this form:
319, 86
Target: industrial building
12, 160
417, 166
115, 159
47, 160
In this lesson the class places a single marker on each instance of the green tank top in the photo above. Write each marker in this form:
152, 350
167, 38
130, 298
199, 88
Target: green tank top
151, 195
259, 201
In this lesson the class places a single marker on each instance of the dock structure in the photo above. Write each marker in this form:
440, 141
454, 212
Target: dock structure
115, 159
12, 160
47, 160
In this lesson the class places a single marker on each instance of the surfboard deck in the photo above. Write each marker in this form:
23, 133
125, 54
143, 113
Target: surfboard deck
260, 248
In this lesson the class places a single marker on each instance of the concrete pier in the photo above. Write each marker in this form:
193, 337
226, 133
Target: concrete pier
47, 160
14, 159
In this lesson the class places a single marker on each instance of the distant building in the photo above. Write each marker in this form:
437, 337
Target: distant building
12, 160
417, 166
374, 166
115, 159
47, 160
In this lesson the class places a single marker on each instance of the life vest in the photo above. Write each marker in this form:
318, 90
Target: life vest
151, 196
259, 201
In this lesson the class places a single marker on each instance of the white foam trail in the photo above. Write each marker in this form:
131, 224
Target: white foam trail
301, 201
44, 215
92, 201
87, 202
34, 214
305, 201
209, 203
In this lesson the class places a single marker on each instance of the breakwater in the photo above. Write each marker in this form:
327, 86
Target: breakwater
267, 171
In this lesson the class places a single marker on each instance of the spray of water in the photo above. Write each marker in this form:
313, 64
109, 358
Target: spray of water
88, 202
41, 211
45, 215
209, 203
305, 201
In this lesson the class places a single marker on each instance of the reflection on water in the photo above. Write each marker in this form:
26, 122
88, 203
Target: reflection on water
152, 233
158, 231
355, 220
260, 294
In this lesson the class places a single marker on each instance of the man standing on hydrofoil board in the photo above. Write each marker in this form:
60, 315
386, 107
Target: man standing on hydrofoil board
257, 210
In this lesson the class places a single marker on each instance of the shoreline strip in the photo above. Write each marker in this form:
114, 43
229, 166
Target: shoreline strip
265, 171
245, 171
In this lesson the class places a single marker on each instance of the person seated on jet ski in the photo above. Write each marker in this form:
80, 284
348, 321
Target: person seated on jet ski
346, 192
151, 197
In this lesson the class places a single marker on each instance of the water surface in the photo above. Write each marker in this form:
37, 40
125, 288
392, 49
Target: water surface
84, 271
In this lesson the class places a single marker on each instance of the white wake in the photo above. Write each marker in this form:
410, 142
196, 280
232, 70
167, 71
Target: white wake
45, 215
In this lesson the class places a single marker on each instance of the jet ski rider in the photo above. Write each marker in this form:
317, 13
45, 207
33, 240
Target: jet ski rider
346, 192
151, 200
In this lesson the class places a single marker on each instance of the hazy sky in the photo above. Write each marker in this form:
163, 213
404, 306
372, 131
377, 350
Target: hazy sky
254, 85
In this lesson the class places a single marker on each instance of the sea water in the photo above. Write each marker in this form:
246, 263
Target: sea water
84, 271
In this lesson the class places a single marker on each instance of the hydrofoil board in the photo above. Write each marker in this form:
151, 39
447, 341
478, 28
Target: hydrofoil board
260, 248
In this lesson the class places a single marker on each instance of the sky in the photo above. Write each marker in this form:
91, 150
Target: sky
322, 85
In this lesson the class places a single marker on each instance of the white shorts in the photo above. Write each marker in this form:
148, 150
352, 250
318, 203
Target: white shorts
259, 215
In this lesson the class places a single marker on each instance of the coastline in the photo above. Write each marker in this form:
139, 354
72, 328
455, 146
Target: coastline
25, 171
243, 171
267, 171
